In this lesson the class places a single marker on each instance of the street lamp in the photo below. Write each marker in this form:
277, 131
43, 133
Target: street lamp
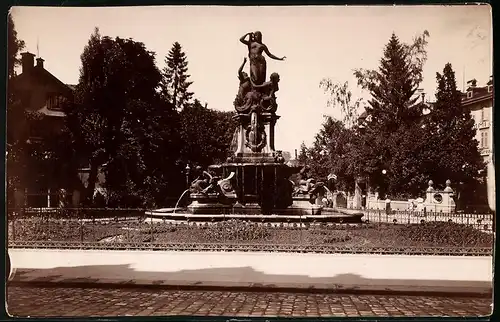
187, 175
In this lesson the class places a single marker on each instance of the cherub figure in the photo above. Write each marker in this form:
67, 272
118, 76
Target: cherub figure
268, 90
245, 86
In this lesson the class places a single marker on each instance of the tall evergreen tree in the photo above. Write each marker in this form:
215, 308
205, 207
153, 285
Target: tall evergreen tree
393, 99
452, 148
175, 82
393, 118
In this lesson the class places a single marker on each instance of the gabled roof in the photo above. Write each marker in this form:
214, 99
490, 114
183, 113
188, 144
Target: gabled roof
43, 76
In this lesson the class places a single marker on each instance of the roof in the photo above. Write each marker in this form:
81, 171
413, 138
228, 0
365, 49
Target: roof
49, 112
43, 75
71, 86
479, 94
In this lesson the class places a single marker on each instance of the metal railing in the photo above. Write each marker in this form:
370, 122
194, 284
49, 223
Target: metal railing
377, 233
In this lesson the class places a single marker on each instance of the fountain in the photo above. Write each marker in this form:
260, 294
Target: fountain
255, 180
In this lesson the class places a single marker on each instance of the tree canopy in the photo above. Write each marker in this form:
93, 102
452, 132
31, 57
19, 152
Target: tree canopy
395, 145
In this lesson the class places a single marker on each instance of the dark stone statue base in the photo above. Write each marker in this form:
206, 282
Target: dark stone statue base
260, 187
302, 206
207, 204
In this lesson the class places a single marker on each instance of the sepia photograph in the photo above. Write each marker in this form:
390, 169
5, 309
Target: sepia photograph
250, 161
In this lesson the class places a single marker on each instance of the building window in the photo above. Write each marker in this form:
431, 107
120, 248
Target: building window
54, 102
484, 139
485, 114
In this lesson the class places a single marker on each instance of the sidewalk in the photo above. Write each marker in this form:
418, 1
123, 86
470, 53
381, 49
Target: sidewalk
373, 274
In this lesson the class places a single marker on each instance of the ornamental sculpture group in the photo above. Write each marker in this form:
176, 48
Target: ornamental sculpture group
255, 178
256, 96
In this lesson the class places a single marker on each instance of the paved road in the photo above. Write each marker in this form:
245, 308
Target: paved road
82, 302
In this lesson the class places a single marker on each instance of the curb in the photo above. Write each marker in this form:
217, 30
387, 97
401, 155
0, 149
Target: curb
406, 290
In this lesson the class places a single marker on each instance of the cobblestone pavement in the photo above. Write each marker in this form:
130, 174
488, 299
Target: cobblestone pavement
82, 302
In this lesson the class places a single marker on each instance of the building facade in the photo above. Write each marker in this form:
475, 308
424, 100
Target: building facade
35, 91
479, 100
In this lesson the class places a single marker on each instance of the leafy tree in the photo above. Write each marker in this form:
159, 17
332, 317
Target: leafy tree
17, 148
330, 153
206, 134
341, 98
119, 120
175, 82
14, 46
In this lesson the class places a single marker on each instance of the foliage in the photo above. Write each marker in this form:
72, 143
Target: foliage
391, 136
119, 120
427, 234
453, 150
206, 134
331, 153
17, 134
175, 82
415, 56
236, 230
446, 233
341, 98
14, 46
394, 85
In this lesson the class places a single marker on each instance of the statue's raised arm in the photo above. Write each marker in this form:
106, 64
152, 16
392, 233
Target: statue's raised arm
268, 53
243, 39
241, 74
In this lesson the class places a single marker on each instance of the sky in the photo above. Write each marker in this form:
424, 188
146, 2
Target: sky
318, 41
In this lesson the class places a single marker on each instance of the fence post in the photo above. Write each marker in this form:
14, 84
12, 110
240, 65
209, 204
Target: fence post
128, 228
151, 230
14, 226
81, 226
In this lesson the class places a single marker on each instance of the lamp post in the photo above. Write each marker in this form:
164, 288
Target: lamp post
187, 175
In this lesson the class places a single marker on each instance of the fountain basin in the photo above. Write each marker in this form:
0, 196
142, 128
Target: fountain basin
207, 204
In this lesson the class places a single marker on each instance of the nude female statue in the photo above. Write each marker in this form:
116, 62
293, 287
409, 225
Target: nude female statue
257, 60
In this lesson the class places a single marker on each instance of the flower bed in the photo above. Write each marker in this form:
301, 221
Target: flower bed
433, 234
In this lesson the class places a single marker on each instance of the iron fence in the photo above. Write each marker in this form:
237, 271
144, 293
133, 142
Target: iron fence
377, 233
484, 222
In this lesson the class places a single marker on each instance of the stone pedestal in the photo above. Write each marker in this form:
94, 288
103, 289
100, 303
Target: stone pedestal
260, 187
262, 152
207, 204
302, 206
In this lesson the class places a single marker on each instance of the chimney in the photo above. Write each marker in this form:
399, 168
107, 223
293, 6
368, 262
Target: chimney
27, 61
39, 62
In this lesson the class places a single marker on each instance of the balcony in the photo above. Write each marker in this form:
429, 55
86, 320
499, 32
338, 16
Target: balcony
484, 151
482, 125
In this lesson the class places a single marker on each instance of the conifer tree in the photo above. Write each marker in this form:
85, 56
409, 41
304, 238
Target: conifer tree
175, 82
393, 99
453, 149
